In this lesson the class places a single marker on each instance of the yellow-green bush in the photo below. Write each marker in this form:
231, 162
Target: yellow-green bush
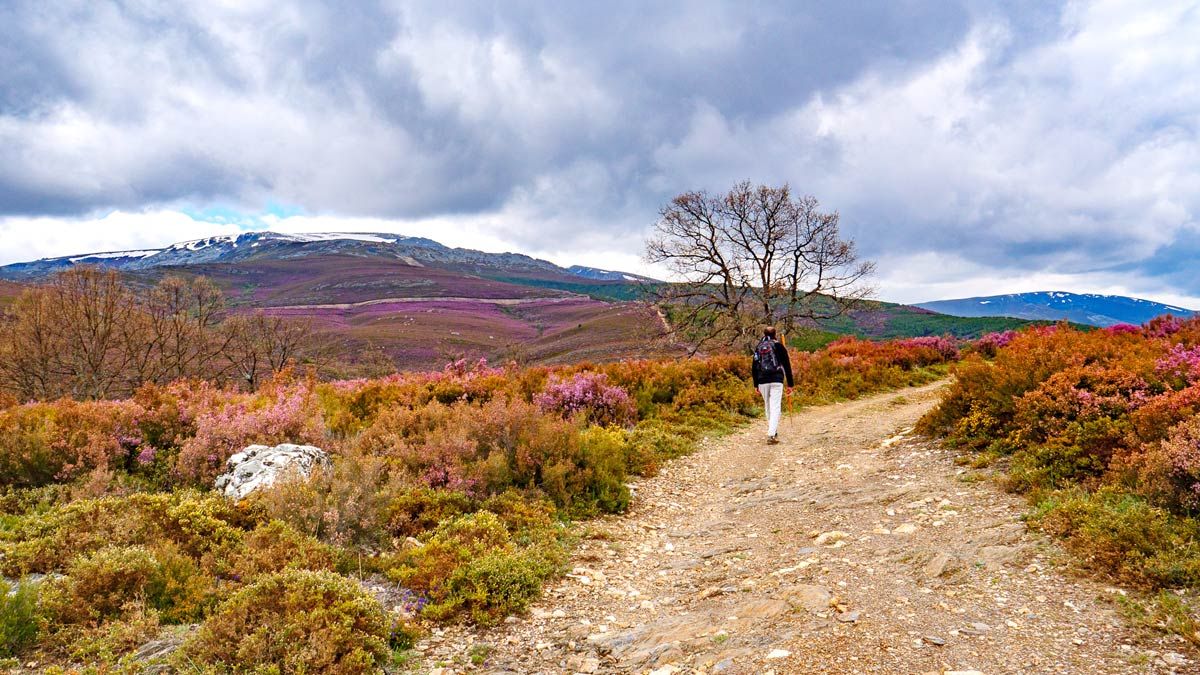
275, 547
474, 564
100, 586
298, 621
18, 617
1123, 536
416, 510
199, 524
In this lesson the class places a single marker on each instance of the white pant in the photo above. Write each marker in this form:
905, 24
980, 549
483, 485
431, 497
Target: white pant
772, 393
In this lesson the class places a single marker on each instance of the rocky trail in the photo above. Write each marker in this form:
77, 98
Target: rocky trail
850, 547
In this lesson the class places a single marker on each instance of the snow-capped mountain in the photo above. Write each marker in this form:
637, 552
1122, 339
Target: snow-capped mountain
604, 275
256, 246
1085, 308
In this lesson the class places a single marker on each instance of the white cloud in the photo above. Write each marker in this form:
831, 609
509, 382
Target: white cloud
49, 237
1079, 154
1065, 154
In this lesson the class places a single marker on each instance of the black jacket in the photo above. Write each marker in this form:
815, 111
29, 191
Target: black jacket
781, 356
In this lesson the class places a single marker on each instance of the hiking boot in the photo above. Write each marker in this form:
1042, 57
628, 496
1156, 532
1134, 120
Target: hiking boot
772, 440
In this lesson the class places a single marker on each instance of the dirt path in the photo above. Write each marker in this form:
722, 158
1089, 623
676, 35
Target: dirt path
850, 547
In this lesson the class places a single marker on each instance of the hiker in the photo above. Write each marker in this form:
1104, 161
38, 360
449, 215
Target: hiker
771, 368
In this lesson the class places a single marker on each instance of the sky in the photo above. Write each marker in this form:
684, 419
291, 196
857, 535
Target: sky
971, 148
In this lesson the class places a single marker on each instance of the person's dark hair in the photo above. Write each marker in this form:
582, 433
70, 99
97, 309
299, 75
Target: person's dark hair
769, 331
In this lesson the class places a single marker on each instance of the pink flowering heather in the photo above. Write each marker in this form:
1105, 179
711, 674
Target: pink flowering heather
1122, 329
991, 343
291, 416
947, 347
1180, 363
147, 455
1164, 326
1182, 450
587, 394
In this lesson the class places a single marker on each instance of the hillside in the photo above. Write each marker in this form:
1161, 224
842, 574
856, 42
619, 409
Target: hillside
9, 292
422, 304
263, 246
1087, 308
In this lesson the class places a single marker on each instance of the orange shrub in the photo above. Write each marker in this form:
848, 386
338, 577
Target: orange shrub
45, 442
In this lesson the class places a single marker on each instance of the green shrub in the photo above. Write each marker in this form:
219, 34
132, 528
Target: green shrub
18, 617
418, 510
180, 590
1123, 536
522, 514
474, 565
496, 585
598, 473
204, 526
297, 621
426, 568
100, 586
275, 547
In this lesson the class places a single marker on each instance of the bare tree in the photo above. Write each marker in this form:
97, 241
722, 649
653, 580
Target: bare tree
86, 334
752, 256
260, 345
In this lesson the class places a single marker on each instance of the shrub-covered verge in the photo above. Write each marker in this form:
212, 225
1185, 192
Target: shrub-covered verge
1100, 429
450, 498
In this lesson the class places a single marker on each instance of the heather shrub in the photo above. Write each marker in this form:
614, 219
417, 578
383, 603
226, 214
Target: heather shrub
1153, 419
990, 344
19, 617
276, 547
924, 351
1180, 366
417, 510
297, 621
484, 449
1122, 536
202, 526
343, 505
1170, 470
280, 414
45, 442
99, 586
1068, 429
590, 396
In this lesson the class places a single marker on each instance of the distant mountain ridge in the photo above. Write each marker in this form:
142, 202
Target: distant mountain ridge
1086, 308
264, 246
423, 304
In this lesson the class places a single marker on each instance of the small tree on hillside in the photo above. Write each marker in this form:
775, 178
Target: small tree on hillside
754, 256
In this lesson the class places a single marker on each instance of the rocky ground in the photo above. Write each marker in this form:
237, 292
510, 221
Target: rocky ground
851, 547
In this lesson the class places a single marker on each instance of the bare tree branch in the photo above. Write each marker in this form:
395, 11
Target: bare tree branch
753, 256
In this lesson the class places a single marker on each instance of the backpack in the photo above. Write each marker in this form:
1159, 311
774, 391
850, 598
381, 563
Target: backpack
764, 356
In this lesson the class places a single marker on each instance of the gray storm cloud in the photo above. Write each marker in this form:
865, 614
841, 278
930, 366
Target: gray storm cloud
1018, 135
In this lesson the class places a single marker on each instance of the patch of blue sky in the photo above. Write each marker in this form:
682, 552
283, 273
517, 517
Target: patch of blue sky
227, 215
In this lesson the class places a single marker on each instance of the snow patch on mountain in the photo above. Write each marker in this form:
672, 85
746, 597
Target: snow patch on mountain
115, 254
1086, 308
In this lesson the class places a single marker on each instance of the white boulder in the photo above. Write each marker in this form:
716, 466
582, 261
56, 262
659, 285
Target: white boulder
258, 466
